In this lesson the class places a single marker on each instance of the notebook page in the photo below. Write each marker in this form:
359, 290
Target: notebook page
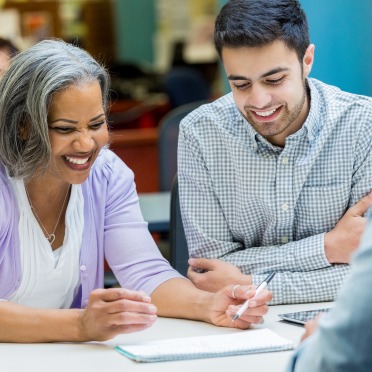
243, 342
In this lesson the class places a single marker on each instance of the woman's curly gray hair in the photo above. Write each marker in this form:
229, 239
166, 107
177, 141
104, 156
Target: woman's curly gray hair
26, 91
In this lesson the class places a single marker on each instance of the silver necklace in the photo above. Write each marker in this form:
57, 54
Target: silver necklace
50, 237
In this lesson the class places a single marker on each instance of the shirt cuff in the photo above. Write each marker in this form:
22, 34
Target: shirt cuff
310, 254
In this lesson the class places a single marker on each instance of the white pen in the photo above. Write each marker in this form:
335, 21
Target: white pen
262, 286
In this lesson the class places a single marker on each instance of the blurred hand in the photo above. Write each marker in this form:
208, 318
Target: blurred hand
224, 306
311, 326
344, 239
114, 311
213, 274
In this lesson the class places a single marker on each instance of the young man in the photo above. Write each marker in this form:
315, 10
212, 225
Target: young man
343, 339
275, 176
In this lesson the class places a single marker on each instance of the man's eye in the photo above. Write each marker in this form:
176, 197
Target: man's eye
241, 86
275, 81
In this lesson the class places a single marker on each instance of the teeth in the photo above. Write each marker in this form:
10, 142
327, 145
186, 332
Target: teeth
77, 161
265, 113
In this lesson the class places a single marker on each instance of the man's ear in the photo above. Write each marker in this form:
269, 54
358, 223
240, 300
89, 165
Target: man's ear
308, 60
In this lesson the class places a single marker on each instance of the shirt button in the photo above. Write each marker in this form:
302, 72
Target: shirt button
285, 160
285, 207
83, 267
284, 239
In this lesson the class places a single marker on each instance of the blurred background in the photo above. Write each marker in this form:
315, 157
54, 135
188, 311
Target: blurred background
141, 40
161, 58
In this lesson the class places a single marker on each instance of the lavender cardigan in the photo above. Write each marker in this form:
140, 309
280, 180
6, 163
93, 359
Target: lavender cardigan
113, 229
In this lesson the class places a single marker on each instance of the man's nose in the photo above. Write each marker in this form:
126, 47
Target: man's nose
259, 97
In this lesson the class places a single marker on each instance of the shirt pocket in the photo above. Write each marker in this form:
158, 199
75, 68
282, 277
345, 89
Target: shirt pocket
319, 208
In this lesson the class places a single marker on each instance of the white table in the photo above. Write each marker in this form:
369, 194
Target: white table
101, 357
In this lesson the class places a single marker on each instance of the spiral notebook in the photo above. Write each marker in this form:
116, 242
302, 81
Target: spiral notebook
244, 342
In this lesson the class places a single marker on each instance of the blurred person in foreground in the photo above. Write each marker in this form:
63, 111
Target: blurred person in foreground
341, 340
67, 203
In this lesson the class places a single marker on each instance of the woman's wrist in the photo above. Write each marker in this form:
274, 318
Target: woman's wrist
204, 306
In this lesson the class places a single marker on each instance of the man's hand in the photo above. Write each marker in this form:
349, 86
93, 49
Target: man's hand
341, 242
212, 274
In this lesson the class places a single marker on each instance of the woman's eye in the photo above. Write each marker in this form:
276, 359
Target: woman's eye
96, 126
63, 129
67, 130
275, 81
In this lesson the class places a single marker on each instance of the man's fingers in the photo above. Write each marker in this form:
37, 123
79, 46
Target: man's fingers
191, 274
361, 207
202, 263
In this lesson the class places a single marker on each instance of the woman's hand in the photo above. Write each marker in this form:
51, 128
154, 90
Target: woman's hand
224, 306
115, 311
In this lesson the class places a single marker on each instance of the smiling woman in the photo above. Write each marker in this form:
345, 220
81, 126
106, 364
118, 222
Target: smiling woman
70, 204
77, 131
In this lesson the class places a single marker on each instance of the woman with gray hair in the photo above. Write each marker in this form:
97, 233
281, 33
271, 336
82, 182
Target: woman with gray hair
67, 203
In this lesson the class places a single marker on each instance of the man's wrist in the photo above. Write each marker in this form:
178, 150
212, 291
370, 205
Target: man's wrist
328, 251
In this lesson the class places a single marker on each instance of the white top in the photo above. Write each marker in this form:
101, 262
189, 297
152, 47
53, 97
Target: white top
50, 278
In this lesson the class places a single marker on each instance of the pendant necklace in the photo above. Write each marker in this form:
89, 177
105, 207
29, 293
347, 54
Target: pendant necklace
50, 237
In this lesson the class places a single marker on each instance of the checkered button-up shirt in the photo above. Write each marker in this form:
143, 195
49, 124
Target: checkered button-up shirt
266, 209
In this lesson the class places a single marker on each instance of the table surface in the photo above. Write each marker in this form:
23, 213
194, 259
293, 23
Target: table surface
155, 207
101, 357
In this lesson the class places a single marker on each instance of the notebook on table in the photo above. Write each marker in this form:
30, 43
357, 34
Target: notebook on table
244, 342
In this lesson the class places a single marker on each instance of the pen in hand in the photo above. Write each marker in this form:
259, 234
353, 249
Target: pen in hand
262, 286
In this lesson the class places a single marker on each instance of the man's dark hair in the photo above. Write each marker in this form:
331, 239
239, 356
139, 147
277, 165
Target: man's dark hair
255, 23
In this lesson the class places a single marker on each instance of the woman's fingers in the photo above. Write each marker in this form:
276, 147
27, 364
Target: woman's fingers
245, 322
118, 301
115, 294
257, 306
251, 311
129, 318
130, 306
244, 292
114, 311
130, 328
251, 315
